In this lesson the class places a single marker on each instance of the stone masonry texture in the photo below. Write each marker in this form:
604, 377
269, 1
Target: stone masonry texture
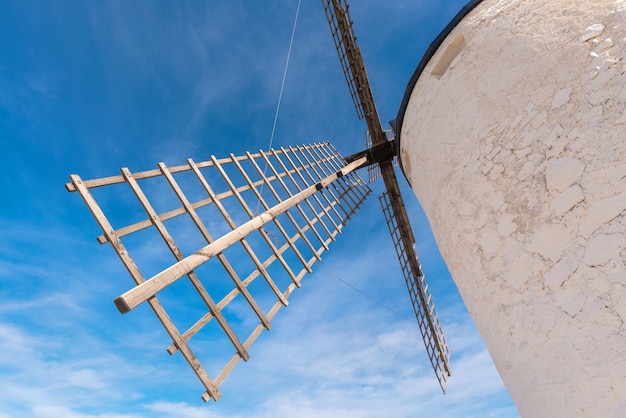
517, 153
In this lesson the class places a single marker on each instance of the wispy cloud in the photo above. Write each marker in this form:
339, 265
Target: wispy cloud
361, 360
129, 84
170, 409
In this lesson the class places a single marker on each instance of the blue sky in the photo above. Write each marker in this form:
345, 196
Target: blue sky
89, 87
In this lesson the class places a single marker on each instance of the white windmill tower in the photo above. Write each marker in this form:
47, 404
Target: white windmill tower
313, 192
513, 136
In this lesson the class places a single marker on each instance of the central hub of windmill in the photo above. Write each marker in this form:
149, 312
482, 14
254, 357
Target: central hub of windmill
376, 154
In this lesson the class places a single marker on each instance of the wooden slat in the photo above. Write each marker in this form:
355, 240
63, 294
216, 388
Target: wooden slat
353, 185
127, 230
308, 173
308, 202
305, 190
348, 192
150, 287
262, 231
216, 312
154, 303
317, 170
206, 318
275, 194
319, 174
250, 340
251, 253
427, 319
141, 175
195, 328
244, 243
325, 168
358, 184
331, 165
315, 197
221, 257
298, 206
264, 234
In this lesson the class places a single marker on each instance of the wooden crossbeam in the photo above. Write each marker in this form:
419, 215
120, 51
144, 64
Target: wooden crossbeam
154, 303
315, 193
142, 292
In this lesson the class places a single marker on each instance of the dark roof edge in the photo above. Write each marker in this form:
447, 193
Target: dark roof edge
432, 49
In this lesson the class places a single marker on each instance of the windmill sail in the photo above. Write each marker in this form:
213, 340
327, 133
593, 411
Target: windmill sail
338, 15
235, 284
423, 306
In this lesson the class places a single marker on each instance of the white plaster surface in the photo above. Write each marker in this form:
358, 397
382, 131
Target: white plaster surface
517, 152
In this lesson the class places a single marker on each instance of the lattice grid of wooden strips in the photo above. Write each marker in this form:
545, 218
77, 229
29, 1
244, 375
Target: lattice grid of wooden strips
423, 305
161, 216
340, 28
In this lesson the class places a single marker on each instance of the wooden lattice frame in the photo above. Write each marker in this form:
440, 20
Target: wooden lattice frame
312, 193
423, 305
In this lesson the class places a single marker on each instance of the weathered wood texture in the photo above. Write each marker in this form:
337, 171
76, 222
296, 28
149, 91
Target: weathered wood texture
303, 197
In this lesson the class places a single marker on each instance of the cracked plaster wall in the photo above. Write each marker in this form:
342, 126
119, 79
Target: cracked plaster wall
517, 152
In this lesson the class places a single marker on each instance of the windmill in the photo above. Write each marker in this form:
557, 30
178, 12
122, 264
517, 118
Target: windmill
235, 284
382, 153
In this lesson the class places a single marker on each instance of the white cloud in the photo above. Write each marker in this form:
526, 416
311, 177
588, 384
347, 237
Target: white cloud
62, 411
335, 353
177, 409
179, 82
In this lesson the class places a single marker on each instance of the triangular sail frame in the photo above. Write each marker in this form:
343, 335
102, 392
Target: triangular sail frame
423, 305
235, 284
351, 59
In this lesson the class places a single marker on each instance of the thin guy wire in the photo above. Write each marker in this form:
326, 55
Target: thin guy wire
280, 96
334, 276
356, 289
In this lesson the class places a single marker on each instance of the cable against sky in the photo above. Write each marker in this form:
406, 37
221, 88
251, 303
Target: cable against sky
280, 95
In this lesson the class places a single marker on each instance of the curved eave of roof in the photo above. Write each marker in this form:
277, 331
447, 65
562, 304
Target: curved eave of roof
432, 49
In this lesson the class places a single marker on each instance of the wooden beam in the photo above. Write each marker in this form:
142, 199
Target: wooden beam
159, 311
150, 287
309, 204
197, 284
